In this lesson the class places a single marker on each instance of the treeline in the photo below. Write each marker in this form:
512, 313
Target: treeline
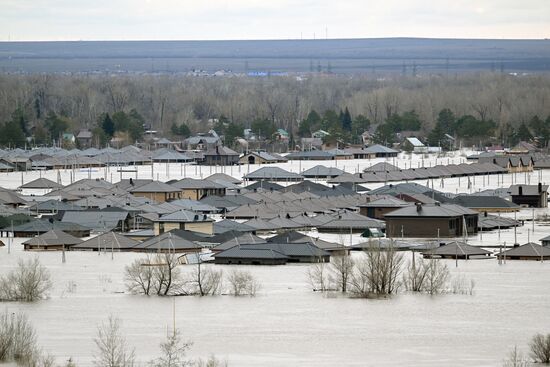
196, 103
21, 130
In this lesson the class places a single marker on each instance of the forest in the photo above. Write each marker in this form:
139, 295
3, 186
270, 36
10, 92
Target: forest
474, 107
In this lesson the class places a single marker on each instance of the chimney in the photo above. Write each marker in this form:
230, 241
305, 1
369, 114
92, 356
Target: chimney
131, 181
540, 187
217, 149
437, 203
520, 190
418, 207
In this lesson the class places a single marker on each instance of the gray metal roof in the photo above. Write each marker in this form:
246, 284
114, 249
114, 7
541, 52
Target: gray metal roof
482, 201
527, 190
459, 249
533, 250
41, 183
380, 149
98, 220
184, 216
322, 171
109, 240
273, 174
191, 183
427, 210
154, 187
54, 237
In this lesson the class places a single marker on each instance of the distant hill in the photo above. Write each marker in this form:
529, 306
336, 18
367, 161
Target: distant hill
384, 55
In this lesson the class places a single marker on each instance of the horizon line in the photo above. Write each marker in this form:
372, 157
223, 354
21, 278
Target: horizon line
278, 39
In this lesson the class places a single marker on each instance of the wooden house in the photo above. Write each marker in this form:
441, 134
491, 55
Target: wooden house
431, 221
534, 196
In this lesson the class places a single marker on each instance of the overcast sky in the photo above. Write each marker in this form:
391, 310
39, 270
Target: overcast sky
270, 19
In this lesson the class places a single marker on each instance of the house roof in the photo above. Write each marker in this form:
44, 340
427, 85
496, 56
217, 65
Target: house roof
166, 242
54, 237
41, 183
184, 216
251, 252
308, 154
224, 177
191, 183
415, 142
154, 187
227, 225
387, 201
427, 210
457, 248
273, 173
220, 150
109, 240
99, 220
483, 201
322, 171
381, 167
42, 225
265, 185
530, 249
527, 190
377, 148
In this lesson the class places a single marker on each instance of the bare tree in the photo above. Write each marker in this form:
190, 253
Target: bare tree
17, 338
112, 350
428, 276
540, 348
342, 268
242, 283
437, 275
516, 359
204, 280
415, 275
29, 282
319, 277
377, 272
157, 275
173, 351
138, 277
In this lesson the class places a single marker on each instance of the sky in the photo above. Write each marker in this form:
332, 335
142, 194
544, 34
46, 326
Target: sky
41, 20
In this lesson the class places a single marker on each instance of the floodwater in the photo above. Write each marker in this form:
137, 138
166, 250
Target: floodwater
287, 324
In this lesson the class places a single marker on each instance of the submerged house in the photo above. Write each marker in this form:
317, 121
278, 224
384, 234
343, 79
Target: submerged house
534, 196
183, 219
457, 250
55, 239
220, 156
431, 221
529, 251
157, 191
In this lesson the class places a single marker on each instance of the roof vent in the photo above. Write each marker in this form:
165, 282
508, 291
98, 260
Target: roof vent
418, 207
520, 190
